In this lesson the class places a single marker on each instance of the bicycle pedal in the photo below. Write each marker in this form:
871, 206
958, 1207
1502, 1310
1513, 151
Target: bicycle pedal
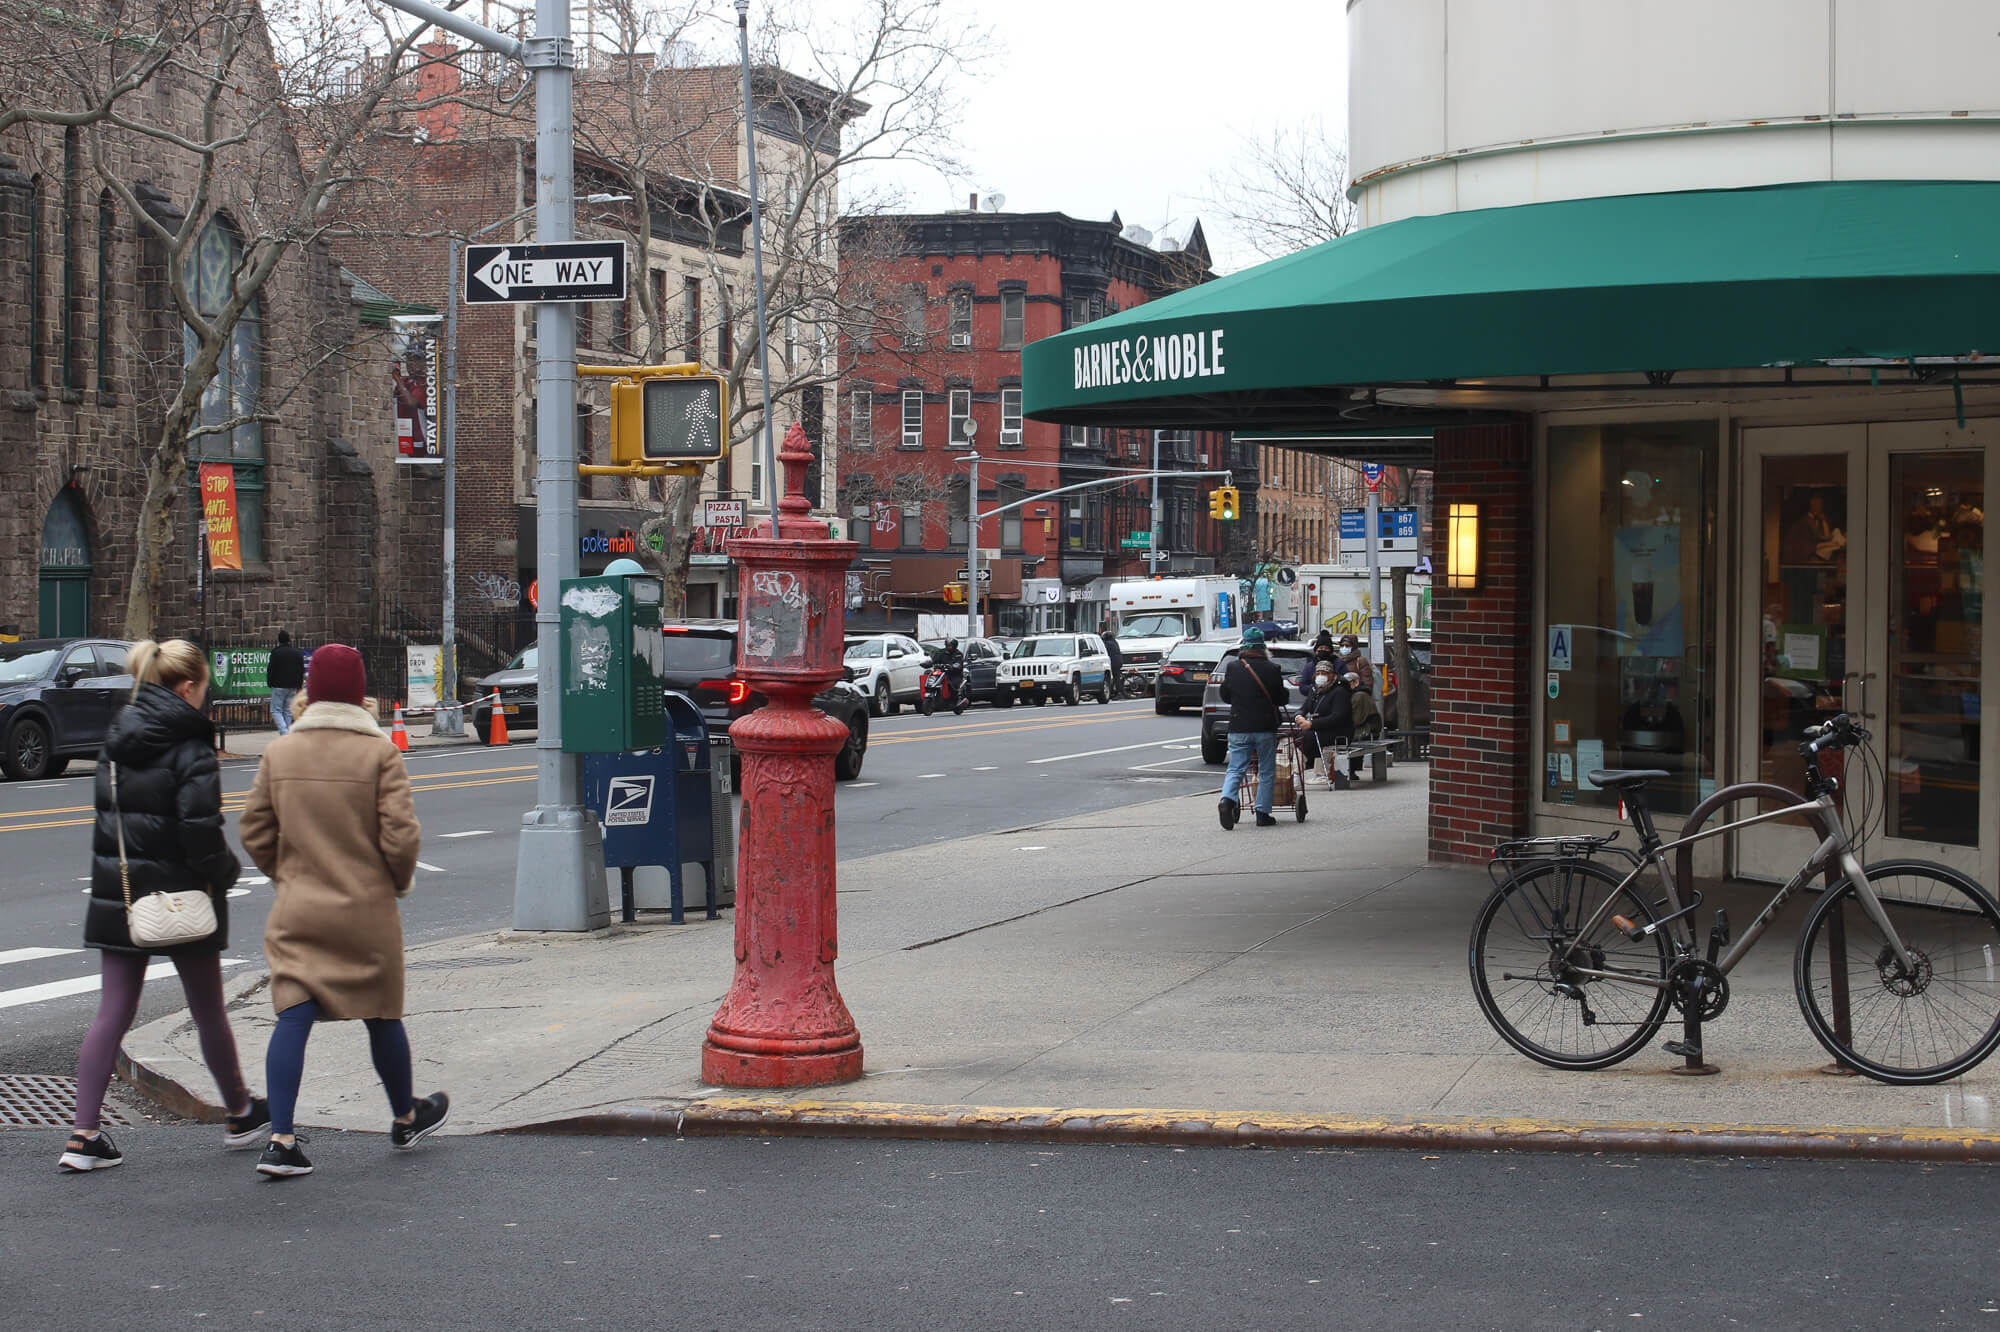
1682, 1049
1628, 927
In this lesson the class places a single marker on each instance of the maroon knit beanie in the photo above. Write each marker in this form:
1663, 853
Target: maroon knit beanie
336, 675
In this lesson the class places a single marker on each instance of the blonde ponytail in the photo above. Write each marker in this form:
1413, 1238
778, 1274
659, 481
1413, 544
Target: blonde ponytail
169, 664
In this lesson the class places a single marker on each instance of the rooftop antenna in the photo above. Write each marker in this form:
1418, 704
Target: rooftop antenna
994, 202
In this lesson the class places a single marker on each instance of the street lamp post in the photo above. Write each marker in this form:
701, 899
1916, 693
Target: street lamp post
757, 256
972, 625
450, 718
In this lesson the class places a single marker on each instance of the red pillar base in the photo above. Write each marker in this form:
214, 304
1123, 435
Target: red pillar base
736, 1068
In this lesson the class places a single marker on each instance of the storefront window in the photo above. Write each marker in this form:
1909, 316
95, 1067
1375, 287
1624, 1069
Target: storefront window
1629, 661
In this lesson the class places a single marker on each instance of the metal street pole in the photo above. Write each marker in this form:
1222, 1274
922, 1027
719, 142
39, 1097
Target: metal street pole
1374, 521
1153, 535
559, 875
972, 534
757, 259
559, 870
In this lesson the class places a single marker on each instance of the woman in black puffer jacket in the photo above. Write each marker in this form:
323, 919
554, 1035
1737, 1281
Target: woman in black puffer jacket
169, 800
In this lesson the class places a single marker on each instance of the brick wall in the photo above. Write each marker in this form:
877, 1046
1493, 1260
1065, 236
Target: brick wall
1482, 671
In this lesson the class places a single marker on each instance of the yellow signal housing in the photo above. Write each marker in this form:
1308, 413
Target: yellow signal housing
665, 420
1215, 503
1230, 501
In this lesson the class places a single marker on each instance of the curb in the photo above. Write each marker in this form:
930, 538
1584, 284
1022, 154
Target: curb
722, 1117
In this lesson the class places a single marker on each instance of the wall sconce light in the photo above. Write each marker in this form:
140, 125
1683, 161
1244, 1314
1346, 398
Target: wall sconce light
1462, 548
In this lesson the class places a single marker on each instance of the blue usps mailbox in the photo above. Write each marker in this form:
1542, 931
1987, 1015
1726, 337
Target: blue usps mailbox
656, 808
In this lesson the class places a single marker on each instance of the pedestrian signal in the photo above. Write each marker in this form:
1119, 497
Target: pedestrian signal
669, 419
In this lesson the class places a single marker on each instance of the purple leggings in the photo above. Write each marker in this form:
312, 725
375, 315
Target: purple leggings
124, 977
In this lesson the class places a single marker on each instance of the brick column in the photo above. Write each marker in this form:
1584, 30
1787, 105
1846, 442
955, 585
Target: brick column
1482, 658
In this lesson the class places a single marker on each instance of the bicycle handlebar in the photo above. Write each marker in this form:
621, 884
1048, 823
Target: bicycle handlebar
1841, 732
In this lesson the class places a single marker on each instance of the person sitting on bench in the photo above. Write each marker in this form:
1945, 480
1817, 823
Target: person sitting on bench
1327, 719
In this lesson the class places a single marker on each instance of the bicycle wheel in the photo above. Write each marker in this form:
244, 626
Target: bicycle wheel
1908, 1027
1526, 946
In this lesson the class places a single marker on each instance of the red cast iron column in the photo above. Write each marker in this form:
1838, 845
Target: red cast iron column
783, 1023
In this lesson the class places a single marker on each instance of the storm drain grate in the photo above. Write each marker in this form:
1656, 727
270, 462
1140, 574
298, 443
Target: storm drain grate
29, 1100
447, 963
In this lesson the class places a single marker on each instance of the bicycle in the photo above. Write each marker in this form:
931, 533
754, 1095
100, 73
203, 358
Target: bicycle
1894, 971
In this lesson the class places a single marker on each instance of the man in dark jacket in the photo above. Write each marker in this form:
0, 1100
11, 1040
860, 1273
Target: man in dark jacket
1254, 689
1109, 633
1328, 716
286, 675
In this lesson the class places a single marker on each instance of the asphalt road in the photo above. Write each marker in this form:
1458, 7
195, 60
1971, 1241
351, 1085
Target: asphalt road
741, 1234
924, 779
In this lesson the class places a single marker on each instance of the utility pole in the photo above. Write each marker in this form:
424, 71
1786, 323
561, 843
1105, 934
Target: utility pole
1153, 537
972, 624
1374, 521
756, 261
559, 869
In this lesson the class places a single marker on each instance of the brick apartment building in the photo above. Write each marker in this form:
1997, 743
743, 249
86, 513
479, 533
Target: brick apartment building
1295, 506
972, 289
461, 166
334, 534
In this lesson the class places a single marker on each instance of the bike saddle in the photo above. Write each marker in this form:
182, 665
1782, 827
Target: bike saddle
1617, 779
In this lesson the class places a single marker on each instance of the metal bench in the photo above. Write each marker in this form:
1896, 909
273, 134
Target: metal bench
1378, 753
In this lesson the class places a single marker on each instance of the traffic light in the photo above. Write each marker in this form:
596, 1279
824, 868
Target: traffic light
954, 594
1215, 503
1222, 503
670, 419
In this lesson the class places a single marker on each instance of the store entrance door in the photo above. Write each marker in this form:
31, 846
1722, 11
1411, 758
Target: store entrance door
1863, 592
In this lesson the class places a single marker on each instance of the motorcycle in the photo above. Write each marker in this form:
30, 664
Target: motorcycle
941, 686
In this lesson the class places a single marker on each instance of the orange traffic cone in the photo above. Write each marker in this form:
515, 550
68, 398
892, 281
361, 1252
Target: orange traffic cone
400, 736
496, 728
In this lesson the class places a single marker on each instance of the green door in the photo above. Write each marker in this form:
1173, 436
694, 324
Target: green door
65, 606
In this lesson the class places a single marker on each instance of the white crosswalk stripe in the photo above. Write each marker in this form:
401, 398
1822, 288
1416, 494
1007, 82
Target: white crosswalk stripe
84, 984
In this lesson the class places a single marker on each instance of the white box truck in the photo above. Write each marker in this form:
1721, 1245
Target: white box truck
1156, 613
1335, 597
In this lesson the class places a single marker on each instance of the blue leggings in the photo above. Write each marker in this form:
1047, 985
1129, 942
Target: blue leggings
285, 1062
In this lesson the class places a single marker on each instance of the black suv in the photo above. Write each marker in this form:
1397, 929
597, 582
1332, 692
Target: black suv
701, 663
57, 699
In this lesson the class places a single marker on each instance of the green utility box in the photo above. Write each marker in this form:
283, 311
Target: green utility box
613, 665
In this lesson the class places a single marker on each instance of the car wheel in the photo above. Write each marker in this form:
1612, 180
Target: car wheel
27, 757
1214, 749
483, 729
879, 705
1072, 693
1164, 708
1104, 691
847, 763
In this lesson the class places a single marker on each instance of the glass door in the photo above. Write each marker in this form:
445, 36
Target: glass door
1800, 665
1923, 692
1863, 591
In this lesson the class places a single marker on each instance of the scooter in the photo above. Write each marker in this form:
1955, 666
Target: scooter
941, 686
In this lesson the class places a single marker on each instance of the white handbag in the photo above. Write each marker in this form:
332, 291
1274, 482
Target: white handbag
159, 919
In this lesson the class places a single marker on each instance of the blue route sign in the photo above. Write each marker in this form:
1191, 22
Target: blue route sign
1399, 522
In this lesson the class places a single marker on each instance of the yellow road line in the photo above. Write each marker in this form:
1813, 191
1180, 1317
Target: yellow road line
234, 804
238, 795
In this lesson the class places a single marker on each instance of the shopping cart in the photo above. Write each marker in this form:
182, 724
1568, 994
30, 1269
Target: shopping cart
1290, 788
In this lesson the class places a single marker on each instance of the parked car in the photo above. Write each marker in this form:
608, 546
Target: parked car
1419, 692
889, 668
515, 684
57, 698
1070, 667
701, 662
1184, 674
1289, 657
982, 665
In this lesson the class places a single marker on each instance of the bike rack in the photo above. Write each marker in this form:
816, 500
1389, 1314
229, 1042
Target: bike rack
1693, 1064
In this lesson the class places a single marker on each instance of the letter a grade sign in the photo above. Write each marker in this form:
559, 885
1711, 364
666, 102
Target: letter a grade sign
569, 271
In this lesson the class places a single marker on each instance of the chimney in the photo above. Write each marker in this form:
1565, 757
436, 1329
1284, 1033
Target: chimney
973, 206
438, 78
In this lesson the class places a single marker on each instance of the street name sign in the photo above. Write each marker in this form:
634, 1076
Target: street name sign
1137, 541
569, 271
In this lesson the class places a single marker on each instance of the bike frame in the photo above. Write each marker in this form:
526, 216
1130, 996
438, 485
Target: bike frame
1834, 850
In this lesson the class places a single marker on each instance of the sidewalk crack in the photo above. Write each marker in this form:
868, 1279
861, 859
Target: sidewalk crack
709, 1005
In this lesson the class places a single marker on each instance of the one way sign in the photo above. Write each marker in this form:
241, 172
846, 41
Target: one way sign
569, 271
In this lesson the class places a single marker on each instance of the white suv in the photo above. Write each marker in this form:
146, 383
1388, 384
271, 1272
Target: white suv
1070, 667
889, 668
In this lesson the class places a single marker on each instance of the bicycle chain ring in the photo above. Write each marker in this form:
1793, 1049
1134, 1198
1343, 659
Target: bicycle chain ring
1902, 984
1681, 978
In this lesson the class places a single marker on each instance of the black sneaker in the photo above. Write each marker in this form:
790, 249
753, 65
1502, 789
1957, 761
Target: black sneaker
1228, 810
430, 1114
282, 1161
98, 1153
242, 1130
1265, 820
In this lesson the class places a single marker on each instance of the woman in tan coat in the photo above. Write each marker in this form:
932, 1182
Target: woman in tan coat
331, 820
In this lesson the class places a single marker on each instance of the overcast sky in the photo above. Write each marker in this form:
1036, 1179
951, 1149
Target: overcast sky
1092, 106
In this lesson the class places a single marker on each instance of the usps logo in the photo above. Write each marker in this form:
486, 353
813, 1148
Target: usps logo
629, 801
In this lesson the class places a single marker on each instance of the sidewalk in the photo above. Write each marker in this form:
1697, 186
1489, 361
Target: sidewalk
1093, 977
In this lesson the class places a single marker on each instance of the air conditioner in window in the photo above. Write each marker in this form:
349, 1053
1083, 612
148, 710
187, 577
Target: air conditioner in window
1204, 460
961, 339
1010, 439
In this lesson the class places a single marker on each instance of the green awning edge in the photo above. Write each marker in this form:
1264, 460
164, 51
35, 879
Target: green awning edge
1711, 280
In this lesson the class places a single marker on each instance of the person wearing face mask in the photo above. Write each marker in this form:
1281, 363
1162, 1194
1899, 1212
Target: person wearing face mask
1352, 659
1328, 716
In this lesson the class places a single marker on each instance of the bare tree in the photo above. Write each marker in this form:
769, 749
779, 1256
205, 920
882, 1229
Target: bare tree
1287, 190
662, 110
198, 93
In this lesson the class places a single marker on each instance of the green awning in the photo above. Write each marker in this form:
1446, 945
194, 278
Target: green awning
1707, 280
